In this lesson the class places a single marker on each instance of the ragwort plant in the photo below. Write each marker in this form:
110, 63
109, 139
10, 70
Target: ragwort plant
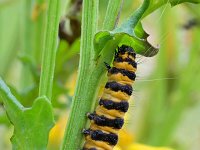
32, 124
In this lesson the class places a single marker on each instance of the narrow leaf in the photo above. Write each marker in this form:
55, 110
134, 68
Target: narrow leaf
11, 104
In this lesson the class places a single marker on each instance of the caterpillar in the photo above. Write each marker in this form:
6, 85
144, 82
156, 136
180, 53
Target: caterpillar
108, 117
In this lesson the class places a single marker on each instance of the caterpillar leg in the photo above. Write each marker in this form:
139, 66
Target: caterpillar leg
99, 139
107, 65
116, 123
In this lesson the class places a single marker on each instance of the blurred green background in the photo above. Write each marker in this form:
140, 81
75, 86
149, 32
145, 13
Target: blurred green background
165, 110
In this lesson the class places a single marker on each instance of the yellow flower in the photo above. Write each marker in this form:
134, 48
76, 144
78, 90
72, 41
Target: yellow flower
117, 148
70, 84
57, 132
125, 139
126, 142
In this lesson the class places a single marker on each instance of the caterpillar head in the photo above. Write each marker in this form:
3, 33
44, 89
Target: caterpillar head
125, 51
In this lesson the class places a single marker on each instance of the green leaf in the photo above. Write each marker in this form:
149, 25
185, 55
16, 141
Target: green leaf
101, 38
139, 31
156, 4
4, 119
130, 33
11, 104
31, 128
141, 46
31, 125
176, 2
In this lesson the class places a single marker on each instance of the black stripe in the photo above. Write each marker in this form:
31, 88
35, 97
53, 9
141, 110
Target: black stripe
109, 104
98, 135
123, 49
119, 87
131, 75
116, 123
129, 60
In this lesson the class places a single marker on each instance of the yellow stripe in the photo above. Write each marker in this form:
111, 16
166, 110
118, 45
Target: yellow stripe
120, 78
101, 112
111, 112
110, 97
124, 65
126, 55
100, 144
90, 144
118, 94
103, 128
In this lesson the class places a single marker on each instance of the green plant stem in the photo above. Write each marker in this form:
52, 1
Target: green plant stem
137, 15
82, 99
112, 14
49, 49
38, 27
26, 40
152, 8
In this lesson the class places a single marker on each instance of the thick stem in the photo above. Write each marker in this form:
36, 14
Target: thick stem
39, 20
49, 49
112, 14
82, 100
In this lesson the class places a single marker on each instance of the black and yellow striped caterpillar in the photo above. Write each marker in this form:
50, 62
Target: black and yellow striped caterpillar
108, 118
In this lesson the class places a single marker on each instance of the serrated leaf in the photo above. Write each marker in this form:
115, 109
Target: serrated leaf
141, 46
130, 33
32, 128
31, 125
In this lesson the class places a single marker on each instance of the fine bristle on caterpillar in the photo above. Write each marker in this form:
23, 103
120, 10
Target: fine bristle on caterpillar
108, 117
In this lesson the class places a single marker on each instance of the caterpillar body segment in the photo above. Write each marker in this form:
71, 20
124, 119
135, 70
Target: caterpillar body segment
108, 117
